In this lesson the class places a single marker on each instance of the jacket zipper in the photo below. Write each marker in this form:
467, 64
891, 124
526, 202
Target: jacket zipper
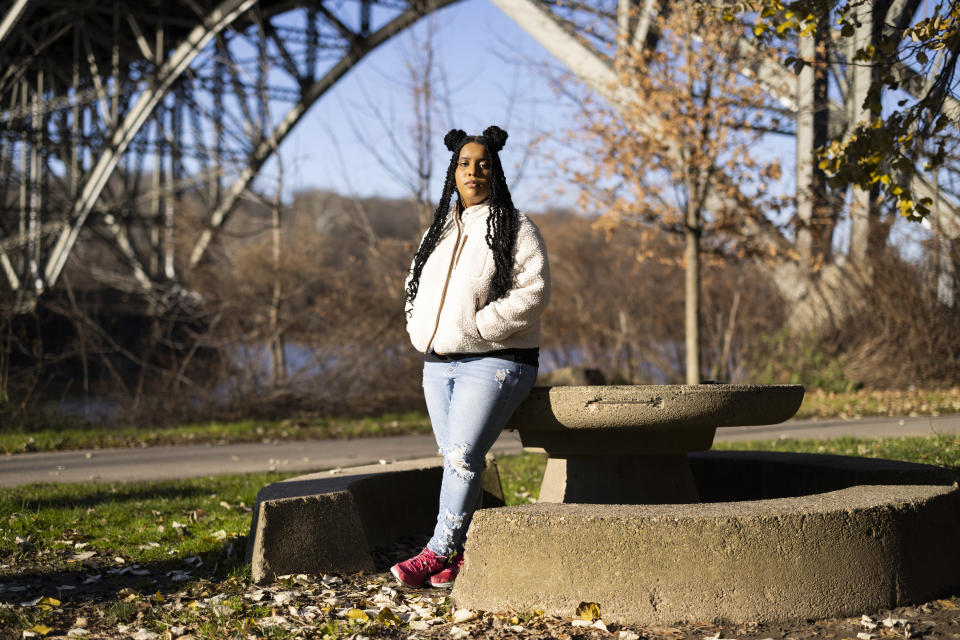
460, 250
443, 295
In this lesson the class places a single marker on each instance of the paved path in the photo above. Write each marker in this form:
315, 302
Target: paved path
158, 463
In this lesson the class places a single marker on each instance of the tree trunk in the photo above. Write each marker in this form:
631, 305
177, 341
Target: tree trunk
691, 298
277, 355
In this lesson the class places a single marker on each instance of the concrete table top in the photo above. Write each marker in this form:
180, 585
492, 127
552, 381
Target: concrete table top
657, 405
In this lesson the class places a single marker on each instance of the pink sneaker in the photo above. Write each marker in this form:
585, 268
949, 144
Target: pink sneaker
416, 570
445, 578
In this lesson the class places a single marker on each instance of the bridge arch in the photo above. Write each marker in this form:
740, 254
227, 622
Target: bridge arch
110, 97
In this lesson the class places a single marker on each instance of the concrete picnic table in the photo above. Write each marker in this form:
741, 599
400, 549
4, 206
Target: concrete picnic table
629, 444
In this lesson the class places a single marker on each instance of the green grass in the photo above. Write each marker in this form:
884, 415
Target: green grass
941, 450
138, 521
23, 437
520, 476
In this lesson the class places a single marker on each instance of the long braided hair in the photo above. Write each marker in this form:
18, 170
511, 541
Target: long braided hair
502, 223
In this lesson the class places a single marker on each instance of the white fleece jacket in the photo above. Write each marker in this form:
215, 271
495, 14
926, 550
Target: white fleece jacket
452, 314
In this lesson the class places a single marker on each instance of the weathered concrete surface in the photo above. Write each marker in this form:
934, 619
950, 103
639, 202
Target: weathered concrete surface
628, 444
854, 549
330, 522
655, 406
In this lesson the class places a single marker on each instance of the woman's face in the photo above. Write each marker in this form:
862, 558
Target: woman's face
473, 174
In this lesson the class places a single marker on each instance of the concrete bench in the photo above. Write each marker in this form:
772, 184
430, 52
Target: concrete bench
777, 536
332, 521
629, 444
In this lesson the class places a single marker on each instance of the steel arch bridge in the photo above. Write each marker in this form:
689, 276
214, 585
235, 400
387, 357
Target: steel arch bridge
111, 111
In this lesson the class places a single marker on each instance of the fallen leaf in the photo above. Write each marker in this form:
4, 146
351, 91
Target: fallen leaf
464, 615
579, 622
458, 634
144, 634
388, 617
515, 628
358, 614
588, 611
628, 635
273, 621
599, 624
40, 629
78, 632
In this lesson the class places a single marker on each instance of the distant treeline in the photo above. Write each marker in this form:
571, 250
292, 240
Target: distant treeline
324, 332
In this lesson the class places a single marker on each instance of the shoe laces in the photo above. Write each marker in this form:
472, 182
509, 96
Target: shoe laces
423, 559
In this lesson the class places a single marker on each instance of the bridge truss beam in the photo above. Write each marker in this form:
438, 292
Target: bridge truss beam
187, 98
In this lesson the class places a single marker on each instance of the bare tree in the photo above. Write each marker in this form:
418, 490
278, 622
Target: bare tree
404, 148
708, 127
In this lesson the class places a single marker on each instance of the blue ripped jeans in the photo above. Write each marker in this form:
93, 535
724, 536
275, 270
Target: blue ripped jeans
469, 402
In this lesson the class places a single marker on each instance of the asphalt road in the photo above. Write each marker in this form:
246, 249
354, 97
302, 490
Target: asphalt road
159, 463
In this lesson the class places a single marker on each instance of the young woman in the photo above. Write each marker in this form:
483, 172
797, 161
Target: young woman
476, 290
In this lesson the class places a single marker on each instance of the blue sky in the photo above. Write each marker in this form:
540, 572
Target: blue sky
491, 66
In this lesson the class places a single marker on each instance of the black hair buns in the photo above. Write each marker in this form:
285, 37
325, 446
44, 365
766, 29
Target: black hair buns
453, 139
495, 137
